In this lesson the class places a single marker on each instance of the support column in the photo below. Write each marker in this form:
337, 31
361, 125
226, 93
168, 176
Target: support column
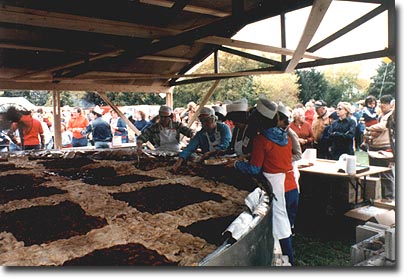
57, 120
170, 98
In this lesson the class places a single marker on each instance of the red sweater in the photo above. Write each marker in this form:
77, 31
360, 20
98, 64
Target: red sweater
32, 129
274, 159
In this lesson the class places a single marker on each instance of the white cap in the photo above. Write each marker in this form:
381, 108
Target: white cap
282, 108
219, 109
266, 107
98, 110
206, 112
165, 111
238, 106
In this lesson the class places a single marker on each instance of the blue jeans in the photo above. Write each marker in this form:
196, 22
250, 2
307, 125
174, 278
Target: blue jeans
79, 142
292, 204
101, 145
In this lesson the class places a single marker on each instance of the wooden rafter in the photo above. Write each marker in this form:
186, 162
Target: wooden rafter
253, 46
348, 28
188, 8
316, 15
187, 37
102, 76
173, 12
75, 86
17, 15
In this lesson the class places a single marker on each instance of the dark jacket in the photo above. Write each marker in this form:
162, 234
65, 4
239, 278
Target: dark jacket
341, 133
100, 130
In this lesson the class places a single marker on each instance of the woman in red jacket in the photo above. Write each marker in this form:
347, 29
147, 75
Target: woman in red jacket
30, 130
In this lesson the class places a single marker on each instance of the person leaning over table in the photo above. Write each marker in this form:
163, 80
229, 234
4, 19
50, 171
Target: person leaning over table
214, 136
100, 129
30, 129
165, 134
238, 114
272, 156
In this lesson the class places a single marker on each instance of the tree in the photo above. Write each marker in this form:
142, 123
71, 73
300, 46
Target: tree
344, 83
228, 89
312, 85
384, 82
283, 87
37, 97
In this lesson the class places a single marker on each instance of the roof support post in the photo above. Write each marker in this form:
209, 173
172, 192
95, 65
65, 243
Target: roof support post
216, 61
170, 98
283, 34
58, 143
203, 102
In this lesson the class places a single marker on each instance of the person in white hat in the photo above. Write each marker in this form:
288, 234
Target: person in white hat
272, 155
237, 112
165, 134
264, 111
100, 129
214, 136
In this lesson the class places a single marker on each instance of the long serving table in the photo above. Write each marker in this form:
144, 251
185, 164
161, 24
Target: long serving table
330, 168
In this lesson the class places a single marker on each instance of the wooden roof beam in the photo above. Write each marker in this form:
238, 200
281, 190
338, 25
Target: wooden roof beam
267, 10
316, 15
17, 15
215, 40
75, 86
187, 8
348, 28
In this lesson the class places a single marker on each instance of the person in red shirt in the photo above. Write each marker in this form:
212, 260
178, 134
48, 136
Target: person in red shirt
272, 156
76, 124
302, 128
30, 130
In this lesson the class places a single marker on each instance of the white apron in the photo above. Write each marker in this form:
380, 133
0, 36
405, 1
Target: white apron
168, 140
238, 144
214, 144
280, 221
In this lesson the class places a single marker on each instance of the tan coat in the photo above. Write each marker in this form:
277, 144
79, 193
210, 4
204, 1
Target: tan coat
379, 133
318, 124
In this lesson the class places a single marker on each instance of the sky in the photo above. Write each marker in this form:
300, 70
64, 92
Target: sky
339, 14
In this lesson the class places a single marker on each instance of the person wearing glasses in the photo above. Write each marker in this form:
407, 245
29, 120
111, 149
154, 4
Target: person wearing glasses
164, 134
214, 136
342, 132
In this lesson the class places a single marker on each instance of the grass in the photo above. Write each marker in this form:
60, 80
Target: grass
330, 245
317, 252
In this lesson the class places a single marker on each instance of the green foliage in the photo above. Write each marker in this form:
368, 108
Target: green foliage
312, 85
277, 87
37, 97
384, 82
283, 87
91, 99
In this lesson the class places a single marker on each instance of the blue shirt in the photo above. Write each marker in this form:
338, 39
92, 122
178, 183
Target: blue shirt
200, 140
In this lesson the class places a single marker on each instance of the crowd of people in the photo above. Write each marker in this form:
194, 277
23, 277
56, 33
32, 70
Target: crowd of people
267, 139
